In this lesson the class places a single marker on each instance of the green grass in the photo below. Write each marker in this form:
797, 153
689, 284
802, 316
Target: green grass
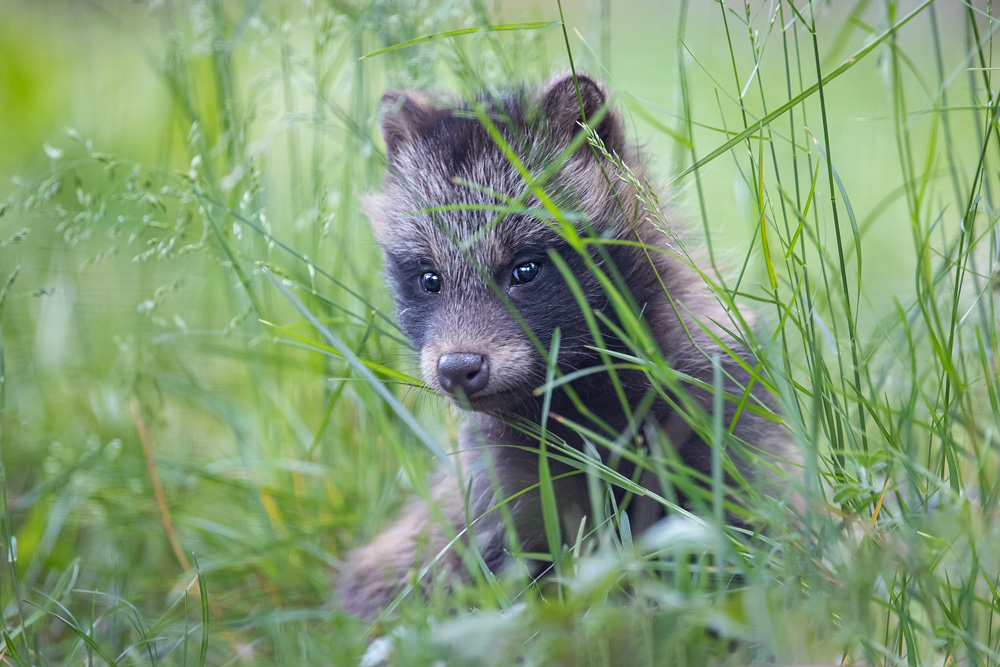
187, 457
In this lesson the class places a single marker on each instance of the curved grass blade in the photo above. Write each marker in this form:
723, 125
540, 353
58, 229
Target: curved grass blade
84, 637
805, 94
385, 371
203, 591
534, 25
550, 513
855, 233
362, 370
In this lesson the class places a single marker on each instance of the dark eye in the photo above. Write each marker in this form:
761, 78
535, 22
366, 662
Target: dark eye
525, 273
431, 282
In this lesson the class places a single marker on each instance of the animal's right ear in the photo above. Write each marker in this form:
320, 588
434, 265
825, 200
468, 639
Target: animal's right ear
404, 113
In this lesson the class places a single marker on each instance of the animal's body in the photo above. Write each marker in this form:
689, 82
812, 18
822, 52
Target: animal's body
471, 282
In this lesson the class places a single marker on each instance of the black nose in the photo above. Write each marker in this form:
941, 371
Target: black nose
467, 373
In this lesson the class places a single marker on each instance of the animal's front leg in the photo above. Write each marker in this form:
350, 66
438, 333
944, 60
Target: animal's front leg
375, 574
436, 533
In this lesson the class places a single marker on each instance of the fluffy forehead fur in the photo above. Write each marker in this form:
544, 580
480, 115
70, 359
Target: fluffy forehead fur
441, 154
451, 164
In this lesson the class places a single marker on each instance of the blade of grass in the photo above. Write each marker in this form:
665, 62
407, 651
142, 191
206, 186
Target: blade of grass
550, 513
384, 371
366, 374
205, 617
8, 543
805, 94
533, 25
83, 636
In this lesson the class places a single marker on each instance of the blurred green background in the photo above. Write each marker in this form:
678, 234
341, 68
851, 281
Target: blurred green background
154, 156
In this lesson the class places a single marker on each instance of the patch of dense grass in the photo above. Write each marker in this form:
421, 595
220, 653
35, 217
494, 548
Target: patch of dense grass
187, 458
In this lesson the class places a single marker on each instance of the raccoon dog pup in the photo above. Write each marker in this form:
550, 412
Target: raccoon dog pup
481, 293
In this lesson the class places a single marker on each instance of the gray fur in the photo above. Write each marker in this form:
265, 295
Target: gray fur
436, 147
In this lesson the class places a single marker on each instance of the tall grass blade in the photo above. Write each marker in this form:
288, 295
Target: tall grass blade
532, 25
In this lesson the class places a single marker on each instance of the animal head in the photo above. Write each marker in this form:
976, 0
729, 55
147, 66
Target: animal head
479, 199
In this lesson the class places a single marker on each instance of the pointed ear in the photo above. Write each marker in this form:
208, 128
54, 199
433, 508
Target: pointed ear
402, 116
405, 114
561, 106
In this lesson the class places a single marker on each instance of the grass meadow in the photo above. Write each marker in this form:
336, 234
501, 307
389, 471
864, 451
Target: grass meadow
191, 313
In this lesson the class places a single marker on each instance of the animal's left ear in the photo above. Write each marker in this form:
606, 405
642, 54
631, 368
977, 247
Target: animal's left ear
561, 104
